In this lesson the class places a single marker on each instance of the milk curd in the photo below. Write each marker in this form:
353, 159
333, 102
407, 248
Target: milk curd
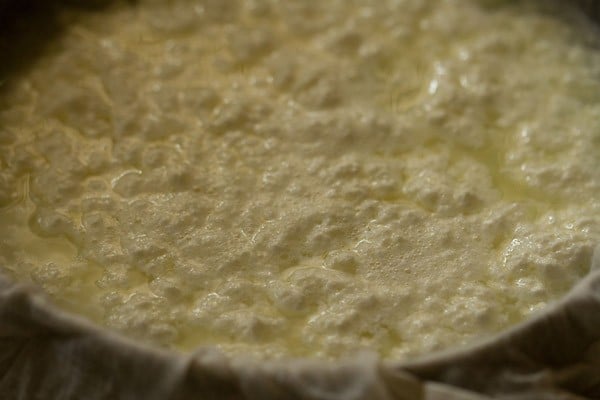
305, 178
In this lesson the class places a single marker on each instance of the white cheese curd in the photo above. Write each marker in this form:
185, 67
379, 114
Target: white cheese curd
305, 178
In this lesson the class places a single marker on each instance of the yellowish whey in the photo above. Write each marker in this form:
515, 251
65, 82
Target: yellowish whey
305, 178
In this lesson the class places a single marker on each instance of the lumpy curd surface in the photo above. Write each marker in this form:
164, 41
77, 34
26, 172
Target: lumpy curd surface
305, 178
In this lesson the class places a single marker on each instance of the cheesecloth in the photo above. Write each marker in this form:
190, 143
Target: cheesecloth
46, 353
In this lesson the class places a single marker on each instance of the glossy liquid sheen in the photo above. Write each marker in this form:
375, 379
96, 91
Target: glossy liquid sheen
303, 178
